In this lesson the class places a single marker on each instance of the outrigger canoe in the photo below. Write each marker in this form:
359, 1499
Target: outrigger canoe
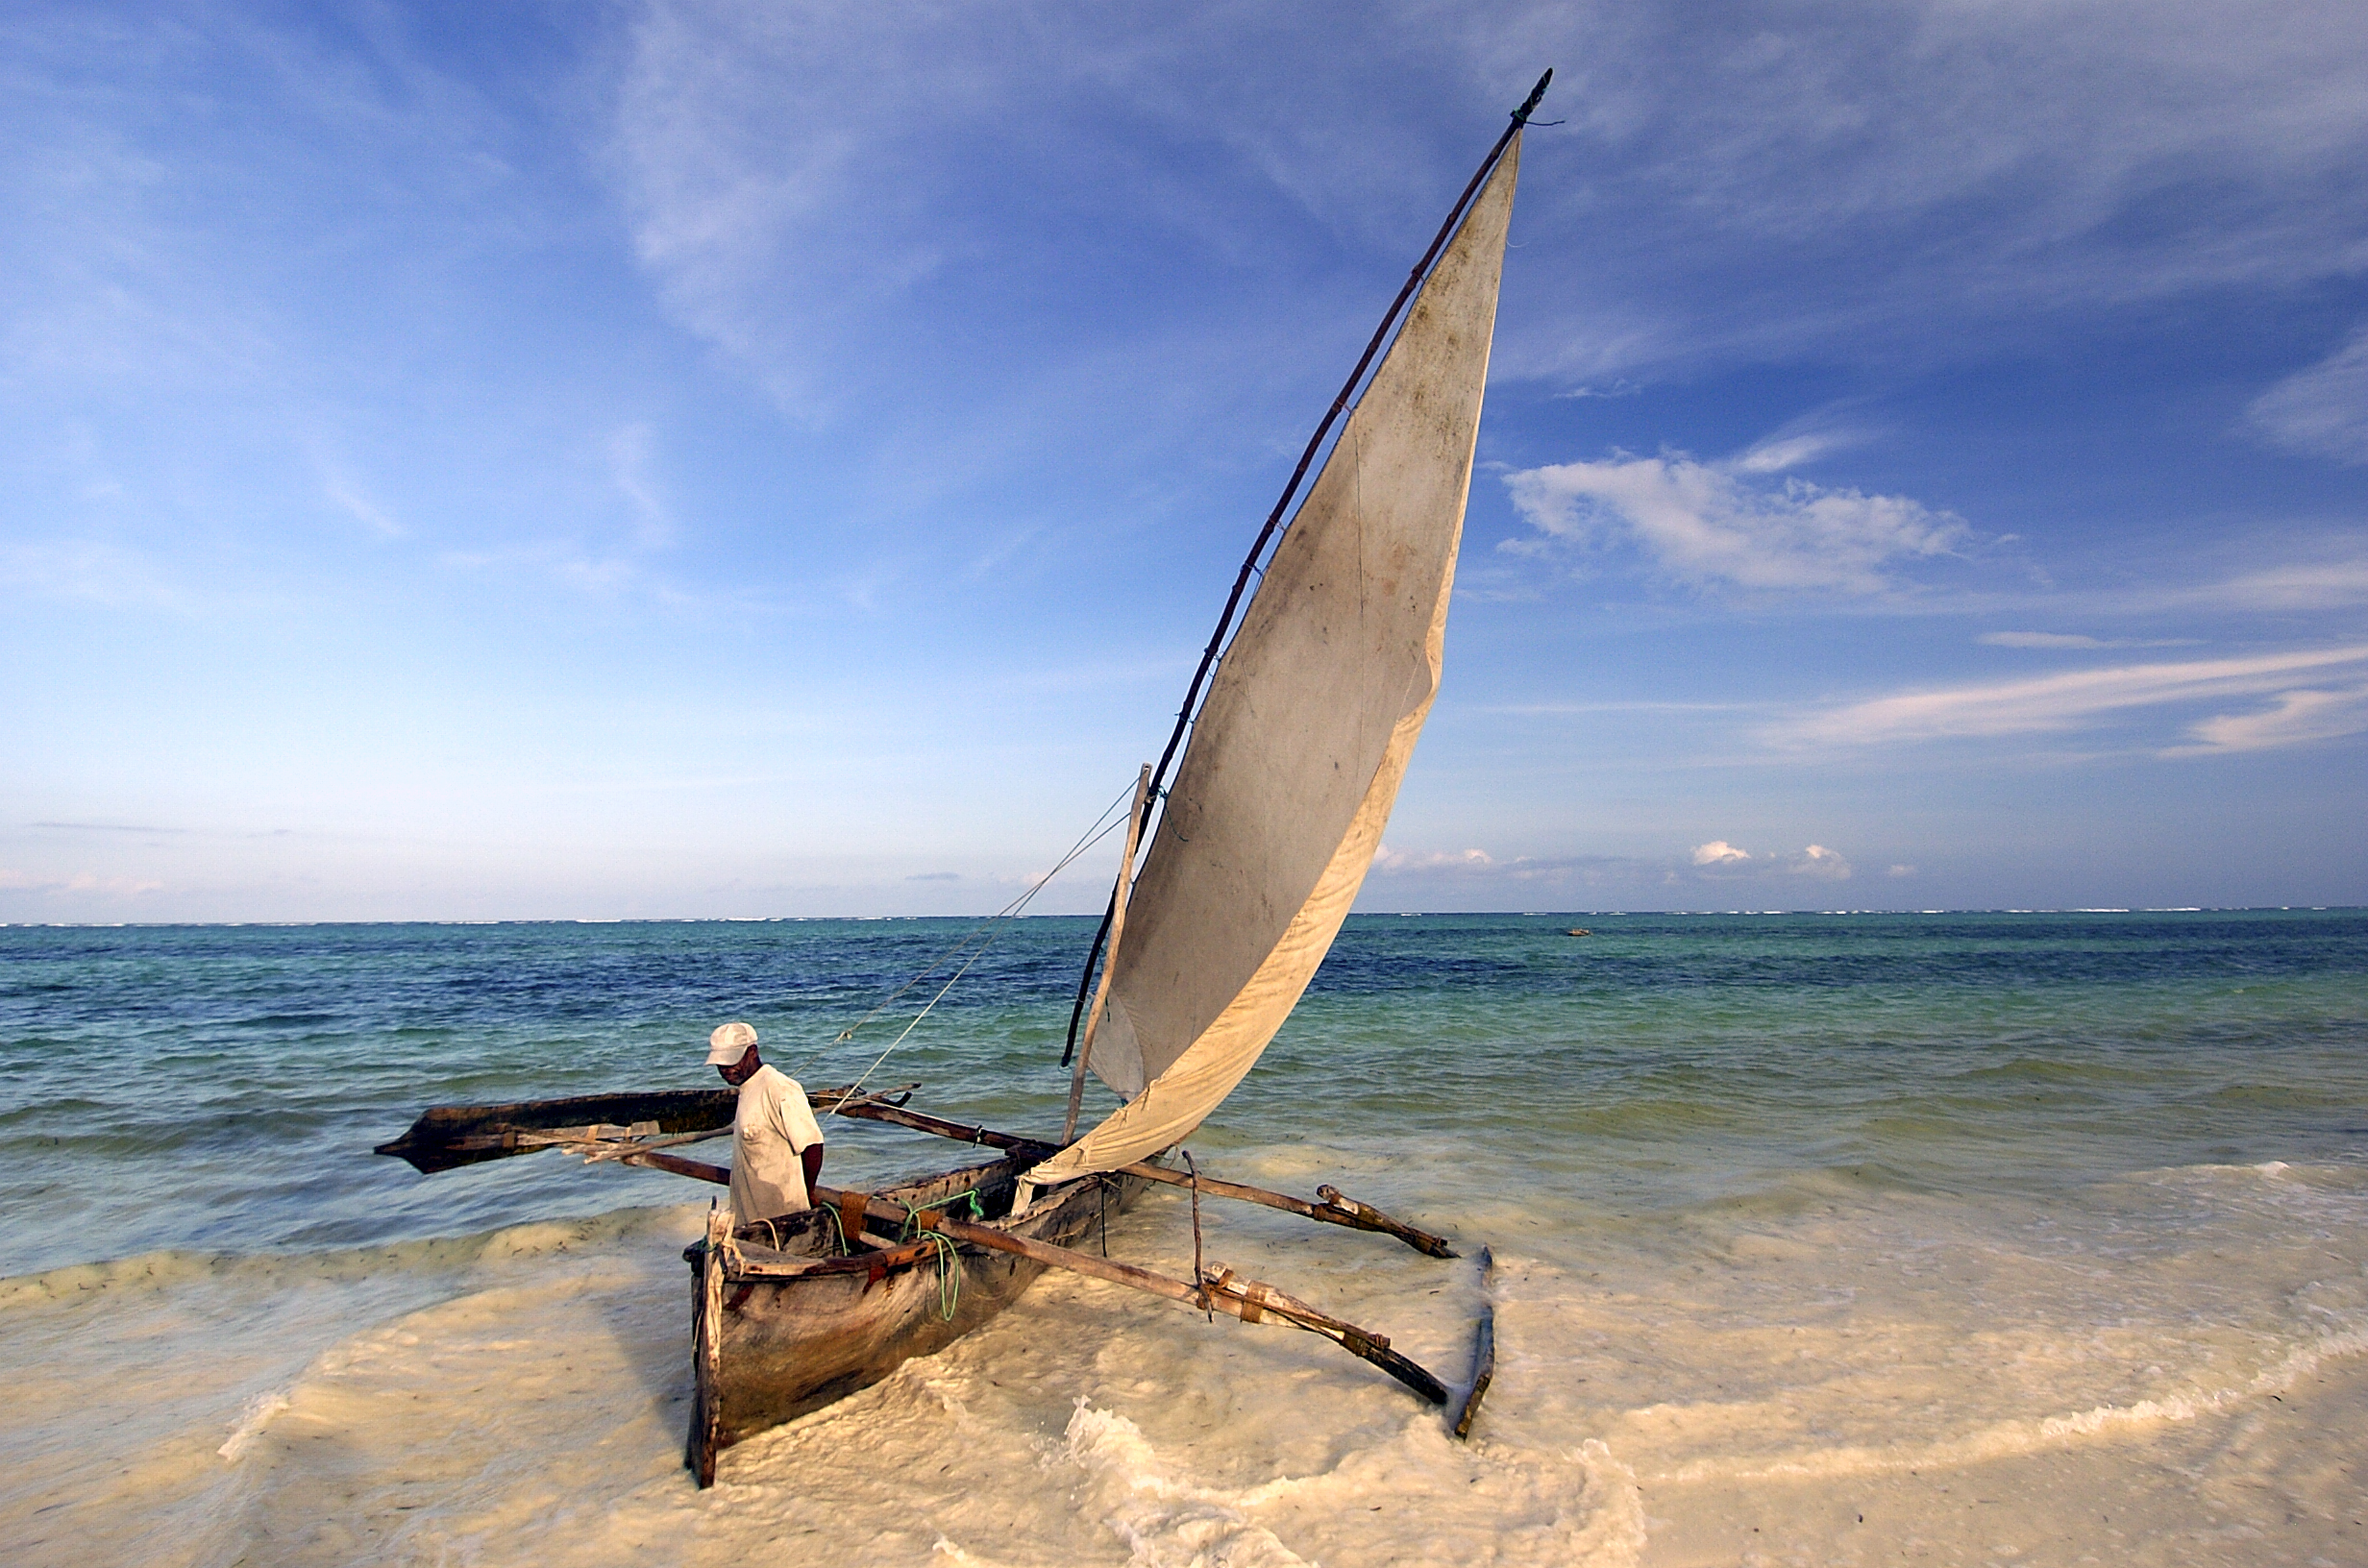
1254, 855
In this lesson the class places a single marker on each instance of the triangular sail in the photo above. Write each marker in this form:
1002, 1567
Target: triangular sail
1295, 762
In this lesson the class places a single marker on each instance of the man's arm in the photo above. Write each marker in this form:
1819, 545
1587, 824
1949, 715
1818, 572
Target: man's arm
812, 1156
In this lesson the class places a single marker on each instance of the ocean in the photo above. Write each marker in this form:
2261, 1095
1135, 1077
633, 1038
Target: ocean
1819, 1238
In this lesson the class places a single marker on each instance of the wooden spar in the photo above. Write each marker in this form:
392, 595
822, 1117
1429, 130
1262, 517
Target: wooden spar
699, 1170
1484, 1350
449, 1135
1334, 1210
1224, 1292
1117, 931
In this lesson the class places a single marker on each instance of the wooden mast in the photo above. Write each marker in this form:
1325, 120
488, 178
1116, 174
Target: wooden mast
1117, 930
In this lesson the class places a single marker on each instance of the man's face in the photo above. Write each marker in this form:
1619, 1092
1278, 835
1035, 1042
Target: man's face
741, 1071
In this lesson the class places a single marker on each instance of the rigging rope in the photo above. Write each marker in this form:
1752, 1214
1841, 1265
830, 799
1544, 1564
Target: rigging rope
1093, 835
1102, 827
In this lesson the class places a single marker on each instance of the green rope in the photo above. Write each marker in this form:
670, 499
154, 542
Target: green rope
912, 1221
949, 1275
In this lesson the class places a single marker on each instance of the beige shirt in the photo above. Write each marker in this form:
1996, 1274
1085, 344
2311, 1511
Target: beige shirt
772, 1126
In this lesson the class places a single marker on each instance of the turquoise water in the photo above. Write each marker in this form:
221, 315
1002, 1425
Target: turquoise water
221, 1087
1778, 1201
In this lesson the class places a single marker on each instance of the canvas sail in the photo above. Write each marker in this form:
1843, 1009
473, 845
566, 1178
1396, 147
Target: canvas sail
1295, 762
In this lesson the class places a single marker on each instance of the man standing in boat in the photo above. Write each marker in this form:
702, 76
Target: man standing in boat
777, 1147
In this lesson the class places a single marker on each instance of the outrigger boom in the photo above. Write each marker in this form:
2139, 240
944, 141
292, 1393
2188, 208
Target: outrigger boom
628, 1128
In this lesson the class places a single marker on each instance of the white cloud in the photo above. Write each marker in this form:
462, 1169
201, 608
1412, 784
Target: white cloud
2294, 718
1389, 860
2036, 639
1777, 453
1803, 440
1897, 870
1825, 865
1620, 388
1702, 524
1724, 862
2322, 410
2054, 703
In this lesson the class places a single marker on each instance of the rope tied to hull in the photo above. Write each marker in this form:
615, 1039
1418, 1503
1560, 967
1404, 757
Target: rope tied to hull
948, 1274
949, 1255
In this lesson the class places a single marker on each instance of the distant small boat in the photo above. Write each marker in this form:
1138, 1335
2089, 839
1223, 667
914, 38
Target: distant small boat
1581, 931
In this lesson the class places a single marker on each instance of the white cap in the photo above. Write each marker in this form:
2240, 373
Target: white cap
729, 1044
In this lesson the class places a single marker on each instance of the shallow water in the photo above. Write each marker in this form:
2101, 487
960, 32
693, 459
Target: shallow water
1821, 1238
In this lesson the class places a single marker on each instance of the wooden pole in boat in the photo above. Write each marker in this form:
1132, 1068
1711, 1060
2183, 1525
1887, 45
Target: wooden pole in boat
1117, 931
1335, 1208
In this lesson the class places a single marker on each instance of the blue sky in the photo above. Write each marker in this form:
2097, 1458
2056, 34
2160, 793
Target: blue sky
730, 459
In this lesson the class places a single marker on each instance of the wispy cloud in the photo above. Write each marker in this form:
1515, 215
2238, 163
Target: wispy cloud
347, 497
89, 569
2056, 641
2301, 711
1817, 434
1620, 388
1718, 852
86, 882
2321, 584
2030, 157
1391, 861
1706, 525
2322, 410
2294, 718
2039, 639
628, 466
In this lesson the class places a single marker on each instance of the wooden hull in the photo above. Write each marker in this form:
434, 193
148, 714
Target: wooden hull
784, 1322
